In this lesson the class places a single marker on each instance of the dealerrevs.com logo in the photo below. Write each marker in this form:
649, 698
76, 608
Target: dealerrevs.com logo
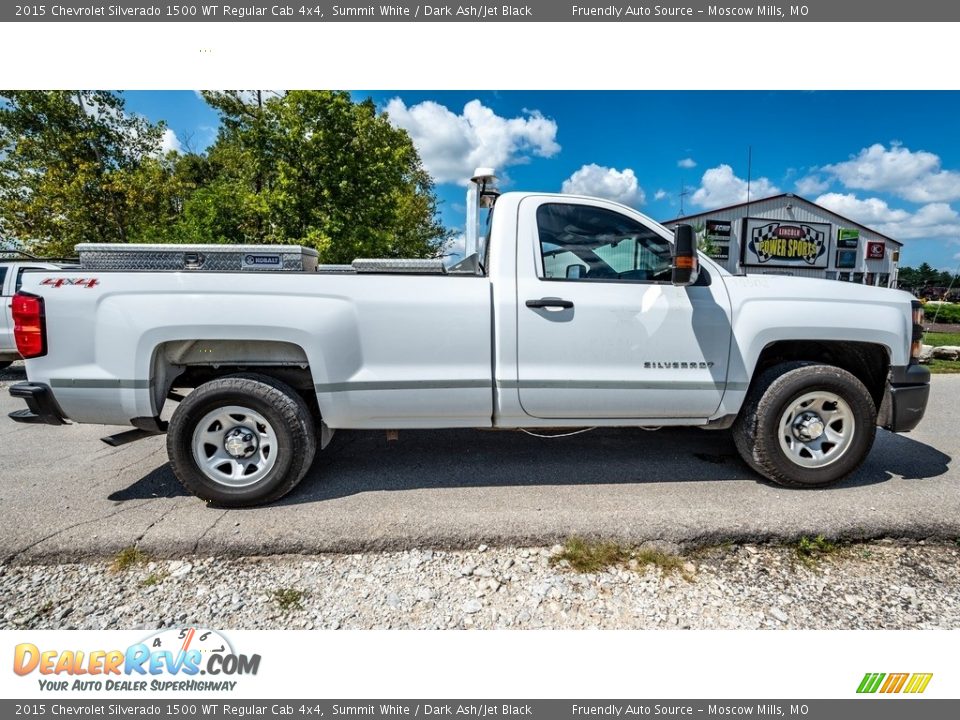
892, 683
173, 659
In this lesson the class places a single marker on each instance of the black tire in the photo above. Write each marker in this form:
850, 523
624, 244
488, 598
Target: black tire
756, 431
4, 364
288, 416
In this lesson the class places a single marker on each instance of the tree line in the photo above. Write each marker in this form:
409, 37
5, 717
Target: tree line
925, 276
309, 167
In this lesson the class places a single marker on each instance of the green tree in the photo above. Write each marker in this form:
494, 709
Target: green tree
75, 167
317, 169
704, 242
924, 276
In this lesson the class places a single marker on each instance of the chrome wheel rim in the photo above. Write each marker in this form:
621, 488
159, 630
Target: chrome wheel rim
816, 429
234, 446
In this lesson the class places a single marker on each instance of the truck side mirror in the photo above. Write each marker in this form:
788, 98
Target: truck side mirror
686, 265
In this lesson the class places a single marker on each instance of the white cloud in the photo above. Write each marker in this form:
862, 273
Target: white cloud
719, 186
660, 194
454, 249
170, 142
452, 146
610, 183
811, 185
915, 176
933, 220
687, 163
869, 211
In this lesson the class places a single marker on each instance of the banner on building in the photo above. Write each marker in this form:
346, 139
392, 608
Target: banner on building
848, 238
876, 250
778, 243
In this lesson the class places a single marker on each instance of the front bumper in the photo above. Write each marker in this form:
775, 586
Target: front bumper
41, 407
905, 399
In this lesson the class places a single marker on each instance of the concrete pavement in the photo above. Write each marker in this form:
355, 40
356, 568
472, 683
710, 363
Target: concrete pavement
64, 494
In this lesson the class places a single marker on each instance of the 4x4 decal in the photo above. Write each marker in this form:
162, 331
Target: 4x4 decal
60, 282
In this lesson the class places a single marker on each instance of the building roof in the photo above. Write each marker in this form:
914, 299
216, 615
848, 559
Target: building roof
793, 196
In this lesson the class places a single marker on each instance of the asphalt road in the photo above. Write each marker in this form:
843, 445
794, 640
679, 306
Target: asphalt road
64, 494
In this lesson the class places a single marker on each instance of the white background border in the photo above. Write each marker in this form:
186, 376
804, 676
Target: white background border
534, 664
477, 56
381, 56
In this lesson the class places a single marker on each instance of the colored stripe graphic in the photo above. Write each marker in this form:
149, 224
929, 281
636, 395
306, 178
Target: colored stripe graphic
918, 682
894, 683
870, 682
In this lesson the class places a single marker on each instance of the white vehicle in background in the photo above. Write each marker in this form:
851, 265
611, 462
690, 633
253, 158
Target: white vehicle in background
567, 312
13, 264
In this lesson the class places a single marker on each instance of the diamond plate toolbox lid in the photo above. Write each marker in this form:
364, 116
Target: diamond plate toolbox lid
208, 258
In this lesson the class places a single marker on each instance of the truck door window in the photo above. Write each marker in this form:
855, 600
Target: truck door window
3, 275
586, 243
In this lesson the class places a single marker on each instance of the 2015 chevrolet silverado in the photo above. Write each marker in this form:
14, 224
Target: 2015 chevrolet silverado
567, 312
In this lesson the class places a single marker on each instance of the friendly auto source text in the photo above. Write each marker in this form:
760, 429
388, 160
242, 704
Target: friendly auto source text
763, 709
616, 11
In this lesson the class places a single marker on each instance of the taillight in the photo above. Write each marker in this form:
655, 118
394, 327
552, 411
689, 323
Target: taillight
917, 313
29, 325
916, 340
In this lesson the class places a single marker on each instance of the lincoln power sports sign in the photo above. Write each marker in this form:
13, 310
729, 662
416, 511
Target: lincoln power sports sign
785, 243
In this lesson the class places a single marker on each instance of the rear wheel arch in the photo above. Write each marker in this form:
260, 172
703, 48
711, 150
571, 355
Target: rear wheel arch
189, 364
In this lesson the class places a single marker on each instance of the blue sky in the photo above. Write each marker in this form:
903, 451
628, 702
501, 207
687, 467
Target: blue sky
890, 160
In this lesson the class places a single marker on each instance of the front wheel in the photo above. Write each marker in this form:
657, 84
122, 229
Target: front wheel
806, 425
241, 440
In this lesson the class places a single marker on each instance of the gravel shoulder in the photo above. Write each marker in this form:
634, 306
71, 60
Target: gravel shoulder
876, 585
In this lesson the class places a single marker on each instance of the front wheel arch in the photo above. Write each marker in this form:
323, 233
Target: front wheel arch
757, 432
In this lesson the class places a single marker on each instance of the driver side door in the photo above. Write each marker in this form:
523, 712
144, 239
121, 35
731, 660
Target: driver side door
602, 332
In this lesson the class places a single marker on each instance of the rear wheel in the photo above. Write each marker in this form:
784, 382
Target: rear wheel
806, 425
241, 440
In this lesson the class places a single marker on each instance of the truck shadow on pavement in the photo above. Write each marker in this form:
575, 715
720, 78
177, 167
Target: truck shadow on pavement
363, 461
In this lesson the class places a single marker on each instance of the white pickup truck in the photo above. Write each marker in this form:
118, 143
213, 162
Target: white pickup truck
572, 312
12, 267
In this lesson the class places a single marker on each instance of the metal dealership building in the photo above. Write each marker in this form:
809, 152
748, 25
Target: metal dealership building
789, 235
